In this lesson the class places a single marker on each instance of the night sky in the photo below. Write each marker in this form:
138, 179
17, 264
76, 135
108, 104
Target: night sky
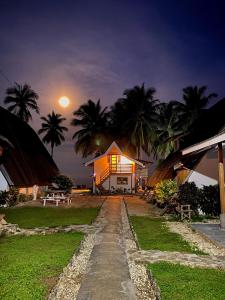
96, 49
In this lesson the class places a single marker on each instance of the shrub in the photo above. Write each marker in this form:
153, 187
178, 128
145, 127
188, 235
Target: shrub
189, 193
210, 201
165, 190
3, 197
12, 196
64, 182
24, 197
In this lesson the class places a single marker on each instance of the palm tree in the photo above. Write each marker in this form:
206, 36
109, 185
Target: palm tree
195, 101
92, 121
134, 117
53, 129
169, 128
22, 99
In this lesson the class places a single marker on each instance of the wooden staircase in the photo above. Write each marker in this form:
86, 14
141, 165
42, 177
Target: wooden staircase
112, 169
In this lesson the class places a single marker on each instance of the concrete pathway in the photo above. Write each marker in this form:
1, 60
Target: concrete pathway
107, 276
212, 232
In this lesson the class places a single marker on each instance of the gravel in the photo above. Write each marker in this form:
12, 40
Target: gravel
195, 239
69, 281
138, 273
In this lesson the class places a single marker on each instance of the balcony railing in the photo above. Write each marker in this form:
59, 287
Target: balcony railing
121, 168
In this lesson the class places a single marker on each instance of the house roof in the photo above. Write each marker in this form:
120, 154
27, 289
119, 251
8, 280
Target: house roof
166, 170
27, 162
209, 124
117, 150
206, 144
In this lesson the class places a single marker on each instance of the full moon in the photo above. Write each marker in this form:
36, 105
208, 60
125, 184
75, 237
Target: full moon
64, 101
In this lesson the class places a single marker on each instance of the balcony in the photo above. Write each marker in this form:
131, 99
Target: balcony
121, 168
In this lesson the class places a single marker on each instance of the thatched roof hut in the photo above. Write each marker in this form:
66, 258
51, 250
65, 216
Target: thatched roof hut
28, 162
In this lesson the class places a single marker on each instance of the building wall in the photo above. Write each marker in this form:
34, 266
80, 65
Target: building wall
3, 183
201, 179
208, 166
112, 182
206, 172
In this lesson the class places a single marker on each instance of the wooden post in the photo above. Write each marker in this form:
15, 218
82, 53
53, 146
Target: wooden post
221, 177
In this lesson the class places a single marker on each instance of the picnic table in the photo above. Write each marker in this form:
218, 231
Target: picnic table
57, 196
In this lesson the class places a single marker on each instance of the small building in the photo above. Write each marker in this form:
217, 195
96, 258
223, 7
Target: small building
199, 166
115, 171
24, 160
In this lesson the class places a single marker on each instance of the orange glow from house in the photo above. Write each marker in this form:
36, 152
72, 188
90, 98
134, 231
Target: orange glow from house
64, 101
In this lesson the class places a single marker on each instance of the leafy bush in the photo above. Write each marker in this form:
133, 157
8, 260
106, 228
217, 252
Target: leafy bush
64, 182
3, 197
210, 200
165, 190
24, 197
12, 196
189, 193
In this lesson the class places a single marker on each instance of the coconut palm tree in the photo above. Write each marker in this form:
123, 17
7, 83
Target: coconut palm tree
92, 121
134, 116
22, 99
54, 132
169, 128
195, 100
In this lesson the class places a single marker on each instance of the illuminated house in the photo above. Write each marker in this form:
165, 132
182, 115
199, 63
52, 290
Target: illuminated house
114, 171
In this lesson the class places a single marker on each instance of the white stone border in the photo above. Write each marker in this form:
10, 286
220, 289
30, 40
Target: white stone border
69, 281
145, 289
196, 240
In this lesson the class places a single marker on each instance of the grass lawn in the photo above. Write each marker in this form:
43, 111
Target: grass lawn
154, 235
29, 217
183, 283
29, 266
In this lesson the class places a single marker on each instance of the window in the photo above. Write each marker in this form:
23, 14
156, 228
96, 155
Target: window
122, 180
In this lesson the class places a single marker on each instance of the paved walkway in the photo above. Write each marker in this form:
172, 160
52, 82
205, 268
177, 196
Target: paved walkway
212, 232
108, 276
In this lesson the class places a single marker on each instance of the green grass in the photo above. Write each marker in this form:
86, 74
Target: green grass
152, 234
30, 265
178, 282
30, 217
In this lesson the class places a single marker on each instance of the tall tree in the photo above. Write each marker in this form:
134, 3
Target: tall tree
22, 99
169, 128
54, 132
195, 100
134, 116
92, 135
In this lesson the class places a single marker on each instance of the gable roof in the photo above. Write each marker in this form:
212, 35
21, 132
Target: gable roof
118, 151
27, 162
209, 124
166, 170
206, 144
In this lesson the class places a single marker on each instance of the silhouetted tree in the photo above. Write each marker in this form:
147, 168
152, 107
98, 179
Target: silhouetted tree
22, 99
195, 101
134, 116
92, 121
54, 132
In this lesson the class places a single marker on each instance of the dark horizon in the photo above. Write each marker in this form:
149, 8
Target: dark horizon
96, 50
